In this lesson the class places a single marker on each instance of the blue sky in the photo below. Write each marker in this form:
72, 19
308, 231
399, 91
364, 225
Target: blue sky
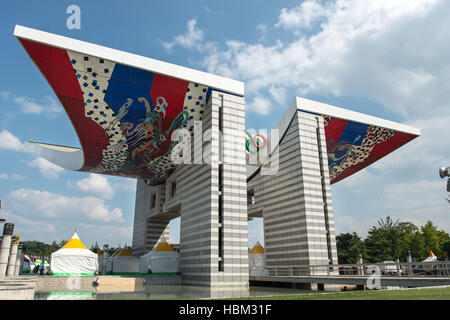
385, 58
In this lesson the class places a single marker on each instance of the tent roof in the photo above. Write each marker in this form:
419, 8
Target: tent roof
74, 247
257, 248
74, 252
432, 257
116, 252
163, 246
74, 243
97, 250
125, 252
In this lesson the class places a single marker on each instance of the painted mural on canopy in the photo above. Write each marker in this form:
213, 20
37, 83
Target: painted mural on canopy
132, 113
351, 145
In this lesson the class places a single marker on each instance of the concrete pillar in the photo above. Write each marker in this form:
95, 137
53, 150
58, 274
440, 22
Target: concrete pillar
360, 267
298, 214
409, 260
13, 256
19, 261
105, 259
213, 224
8, 230
398, 266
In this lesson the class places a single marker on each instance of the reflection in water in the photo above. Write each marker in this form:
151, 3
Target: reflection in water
64, 296
169, 292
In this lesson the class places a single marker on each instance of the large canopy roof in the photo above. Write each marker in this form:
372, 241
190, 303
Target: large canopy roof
354, 140
124, 107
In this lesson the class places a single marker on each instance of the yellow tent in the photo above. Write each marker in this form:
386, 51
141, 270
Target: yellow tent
125, 263
74, 259
257, 260
161, 260
257, 249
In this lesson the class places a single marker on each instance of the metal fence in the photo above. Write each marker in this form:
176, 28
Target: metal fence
387, 269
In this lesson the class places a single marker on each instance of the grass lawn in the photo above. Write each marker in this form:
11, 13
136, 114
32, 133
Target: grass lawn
412, 294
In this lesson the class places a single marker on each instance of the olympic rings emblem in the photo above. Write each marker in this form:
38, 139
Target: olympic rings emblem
255, 143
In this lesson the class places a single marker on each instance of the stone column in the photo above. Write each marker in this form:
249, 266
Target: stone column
409, 260
13, 256
360, 265
105, 259
19, 261
8, 230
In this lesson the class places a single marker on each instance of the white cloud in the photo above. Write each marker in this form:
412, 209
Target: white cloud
29, 228
260, 105
192, 39
44, 216
8, 141
358, 182
46, 205
302, 16
5, 95
97, 185
408, 186
422, 157
417, 201
262, 28
125, 185
391, 52
14, 176
49, 105
421, 195
349, 224
105, 234
279, 95
46, 168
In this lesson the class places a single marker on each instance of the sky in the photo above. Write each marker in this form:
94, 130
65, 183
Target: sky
385, 58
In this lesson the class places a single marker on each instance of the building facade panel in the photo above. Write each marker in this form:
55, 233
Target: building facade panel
297, 227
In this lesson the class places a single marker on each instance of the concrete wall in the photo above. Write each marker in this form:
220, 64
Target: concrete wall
141, 210
296, 202
213, 227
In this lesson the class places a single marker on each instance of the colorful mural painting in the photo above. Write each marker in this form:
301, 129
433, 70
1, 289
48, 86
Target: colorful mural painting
123, 116
351, 146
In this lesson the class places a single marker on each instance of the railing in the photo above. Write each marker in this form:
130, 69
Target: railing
400, 269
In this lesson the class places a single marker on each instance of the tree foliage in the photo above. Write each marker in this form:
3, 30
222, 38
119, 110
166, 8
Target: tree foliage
350, 247
391, 239
37, 248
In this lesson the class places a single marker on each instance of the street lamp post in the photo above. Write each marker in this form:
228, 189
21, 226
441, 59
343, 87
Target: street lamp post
445, 172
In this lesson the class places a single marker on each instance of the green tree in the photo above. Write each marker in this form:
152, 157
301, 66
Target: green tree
349, 247
434, 240
446, 249
37, 248
383, 242
410, 241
